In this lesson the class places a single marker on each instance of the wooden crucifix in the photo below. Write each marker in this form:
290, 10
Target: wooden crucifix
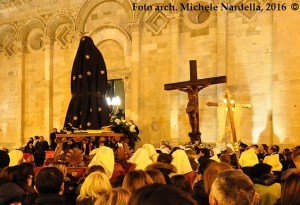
192, 87
230, 104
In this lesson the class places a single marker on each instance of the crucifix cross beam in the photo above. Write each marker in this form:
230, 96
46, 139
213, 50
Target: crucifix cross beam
194, 81
192, 87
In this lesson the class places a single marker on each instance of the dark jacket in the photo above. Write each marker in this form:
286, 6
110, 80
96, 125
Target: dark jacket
199, 194
165, 168
85, 201
50, 199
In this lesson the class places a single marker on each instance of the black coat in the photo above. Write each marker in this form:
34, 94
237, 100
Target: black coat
49, 199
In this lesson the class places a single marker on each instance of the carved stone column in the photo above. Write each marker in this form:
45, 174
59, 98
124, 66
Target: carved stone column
134, 108
21, 85
174, 20
48, 95
222, 23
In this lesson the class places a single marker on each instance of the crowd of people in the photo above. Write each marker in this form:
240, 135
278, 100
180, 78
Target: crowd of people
190, 174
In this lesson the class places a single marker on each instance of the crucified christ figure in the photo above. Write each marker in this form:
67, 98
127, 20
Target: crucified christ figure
192, 87
192, 108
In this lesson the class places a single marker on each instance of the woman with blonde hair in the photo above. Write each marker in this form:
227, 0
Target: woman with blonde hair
157, 176
136, 179
93, 187
114, 196
290, 189
211, 173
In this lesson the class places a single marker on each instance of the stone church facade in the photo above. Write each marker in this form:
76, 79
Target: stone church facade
258, 51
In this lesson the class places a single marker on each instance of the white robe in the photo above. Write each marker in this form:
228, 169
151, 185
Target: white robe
104, 156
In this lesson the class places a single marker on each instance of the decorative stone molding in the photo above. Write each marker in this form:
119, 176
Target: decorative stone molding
8, 38
105, 31
250, 14
88, 6
35, 40
9, 46
197, 19
61, 28
174, 17
156, 21
135, 25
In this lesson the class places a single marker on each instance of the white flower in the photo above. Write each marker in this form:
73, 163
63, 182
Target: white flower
132, 128
118, 121
123, 121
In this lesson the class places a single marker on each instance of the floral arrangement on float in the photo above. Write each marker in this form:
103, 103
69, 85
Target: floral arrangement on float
126, 127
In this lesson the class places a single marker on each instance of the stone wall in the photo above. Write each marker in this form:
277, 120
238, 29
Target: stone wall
256, 50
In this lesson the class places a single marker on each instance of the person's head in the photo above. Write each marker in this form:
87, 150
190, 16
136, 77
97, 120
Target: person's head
94, 185
232, 187
229, 148
41, 138
29, 144
203, 165
114, 196
290, 188
49, 180
225, 158
157, 176
16, 157
272, 149
203, 152
28, 157
182, 183
165, 158
25, 177
264, 148
260, 170
61, 166
4, 159
255, 146
11, 194
211, 173
160, 194
54, 130
136, 179
94, 168
287, 153
105, 157
296, 156
19, 174
181, 162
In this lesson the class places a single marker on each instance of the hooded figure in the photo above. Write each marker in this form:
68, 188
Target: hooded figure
104, 156
16, 157
141, 158
88, 108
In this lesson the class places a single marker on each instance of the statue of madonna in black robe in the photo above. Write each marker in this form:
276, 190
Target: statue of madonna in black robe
88, 108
